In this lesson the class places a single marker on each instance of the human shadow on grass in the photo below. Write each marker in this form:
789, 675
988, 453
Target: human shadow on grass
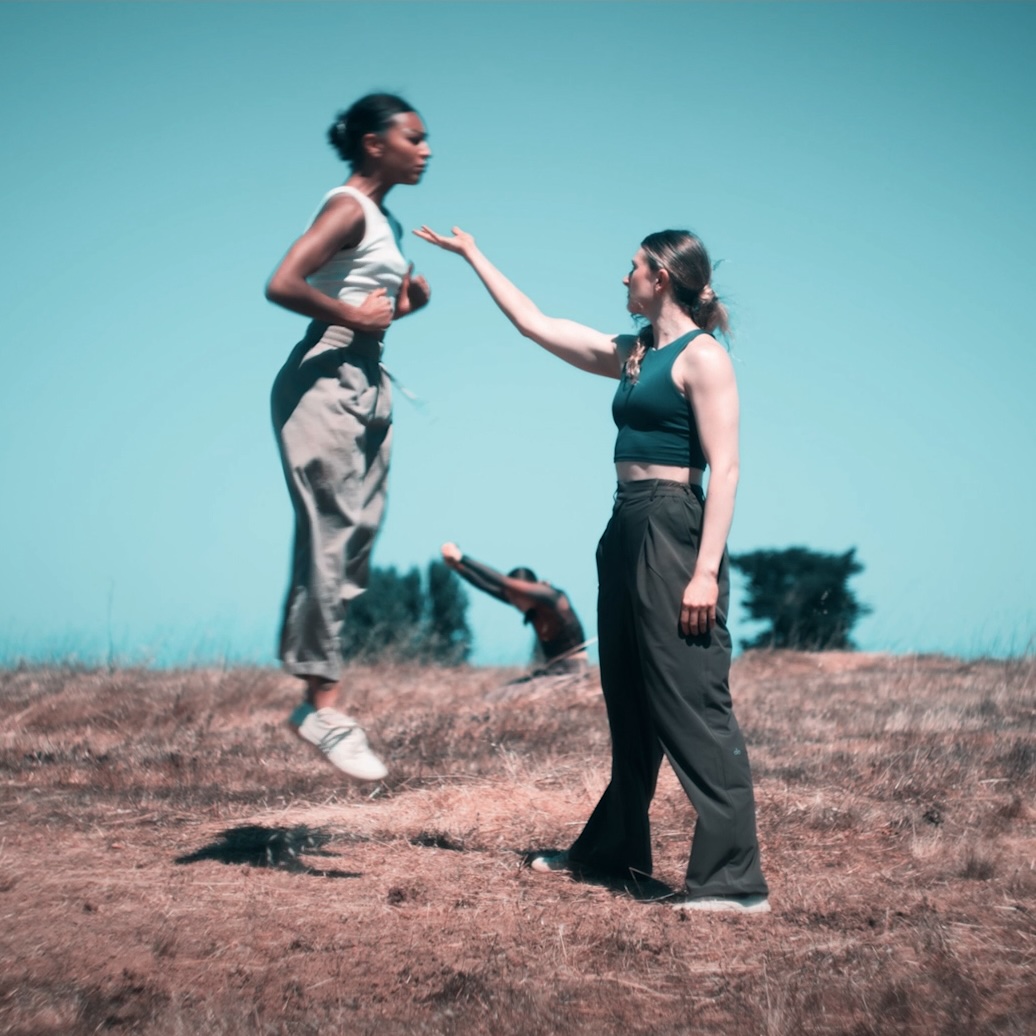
641, 887
276, 847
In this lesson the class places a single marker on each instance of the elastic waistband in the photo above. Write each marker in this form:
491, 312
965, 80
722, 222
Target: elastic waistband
649, 488
343, 340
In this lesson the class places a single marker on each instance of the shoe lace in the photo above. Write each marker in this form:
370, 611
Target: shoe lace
333, 738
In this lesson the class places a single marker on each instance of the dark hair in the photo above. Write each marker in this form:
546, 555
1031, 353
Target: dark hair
526, 574
371, 114
683, 256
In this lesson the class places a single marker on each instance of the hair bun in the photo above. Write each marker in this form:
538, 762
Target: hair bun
370, 114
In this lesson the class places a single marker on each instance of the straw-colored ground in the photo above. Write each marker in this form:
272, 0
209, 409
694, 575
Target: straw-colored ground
173, 862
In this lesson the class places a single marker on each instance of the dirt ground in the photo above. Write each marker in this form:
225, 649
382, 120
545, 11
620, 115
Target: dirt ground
172, 861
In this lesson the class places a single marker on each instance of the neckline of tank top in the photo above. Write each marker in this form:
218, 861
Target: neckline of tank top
682, 340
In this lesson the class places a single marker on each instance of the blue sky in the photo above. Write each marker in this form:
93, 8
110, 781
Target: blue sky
865, 172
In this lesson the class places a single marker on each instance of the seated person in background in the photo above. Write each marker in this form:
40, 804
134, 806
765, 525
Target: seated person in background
558, 629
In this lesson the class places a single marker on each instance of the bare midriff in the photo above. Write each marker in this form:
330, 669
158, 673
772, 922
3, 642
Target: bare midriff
636, 471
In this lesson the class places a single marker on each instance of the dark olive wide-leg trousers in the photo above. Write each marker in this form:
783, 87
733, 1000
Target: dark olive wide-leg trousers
667, 693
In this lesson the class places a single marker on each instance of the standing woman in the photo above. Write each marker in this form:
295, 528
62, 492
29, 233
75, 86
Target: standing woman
332, 406
662, 569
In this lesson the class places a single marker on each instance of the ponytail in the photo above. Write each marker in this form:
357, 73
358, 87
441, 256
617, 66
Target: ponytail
683, 256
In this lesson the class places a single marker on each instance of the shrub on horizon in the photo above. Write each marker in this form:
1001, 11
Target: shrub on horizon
804, 597
401, 619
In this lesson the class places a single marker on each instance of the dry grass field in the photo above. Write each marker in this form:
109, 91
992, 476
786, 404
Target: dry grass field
172, 861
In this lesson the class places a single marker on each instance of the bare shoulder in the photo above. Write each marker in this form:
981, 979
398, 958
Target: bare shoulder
340, 219
341, 205
705, 352
704, 361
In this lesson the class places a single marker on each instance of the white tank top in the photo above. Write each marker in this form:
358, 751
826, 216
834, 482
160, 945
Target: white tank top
376, 262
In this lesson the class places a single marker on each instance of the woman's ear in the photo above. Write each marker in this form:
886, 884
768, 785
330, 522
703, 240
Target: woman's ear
373, 145
661, 279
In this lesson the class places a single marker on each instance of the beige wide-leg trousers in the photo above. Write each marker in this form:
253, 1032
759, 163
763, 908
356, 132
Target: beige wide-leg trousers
332, 414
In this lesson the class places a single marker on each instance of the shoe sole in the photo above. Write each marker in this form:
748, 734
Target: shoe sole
722, 906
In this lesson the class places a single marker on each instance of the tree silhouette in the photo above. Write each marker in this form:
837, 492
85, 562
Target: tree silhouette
447, 636
804, 596
397, 619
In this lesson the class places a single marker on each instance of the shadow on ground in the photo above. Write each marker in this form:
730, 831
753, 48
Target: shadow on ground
278, 847
635, 885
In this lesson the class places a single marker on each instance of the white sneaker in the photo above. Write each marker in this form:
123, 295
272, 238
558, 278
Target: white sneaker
340, 738
550, 863
728, 904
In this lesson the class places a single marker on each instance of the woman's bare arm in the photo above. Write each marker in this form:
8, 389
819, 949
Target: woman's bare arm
707, 376
581, 346
340, 224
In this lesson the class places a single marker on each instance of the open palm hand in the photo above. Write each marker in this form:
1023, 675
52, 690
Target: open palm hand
459, 244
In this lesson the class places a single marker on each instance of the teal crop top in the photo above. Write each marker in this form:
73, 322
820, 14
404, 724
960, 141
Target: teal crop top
656, 423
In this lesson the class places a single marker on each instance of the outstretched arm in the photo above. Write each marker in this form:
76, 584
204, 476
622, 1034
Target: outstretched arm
480, 576
494, 583
581, 346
